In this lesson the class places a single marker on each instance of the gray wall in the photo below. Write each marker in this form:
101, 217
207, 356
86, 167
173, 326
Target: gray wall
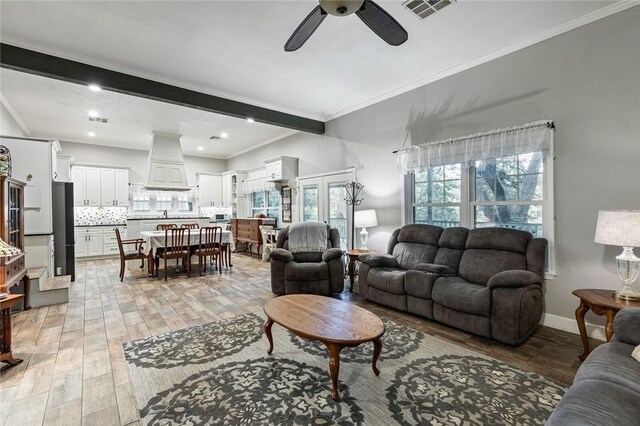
8, 125
135, 160
585, 80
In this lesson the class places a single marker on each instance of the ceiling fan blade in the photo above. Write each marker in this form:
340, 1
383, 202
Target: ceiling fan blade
305, 29
382, 23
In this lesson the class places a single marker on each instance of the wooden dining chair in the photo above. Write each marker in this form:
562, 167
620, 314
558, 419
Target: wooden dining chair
165, 226
176, 246
136, 253
210, 244
190, 225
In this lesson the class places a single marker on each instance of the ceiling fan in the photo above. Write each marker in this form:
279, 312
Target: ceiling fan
370, 13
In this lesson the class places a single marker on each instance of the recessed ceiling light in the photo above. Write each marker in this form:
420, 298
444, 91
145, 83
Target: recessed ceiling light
224, 135
92, 113
91, 134
250, 120
94, 88
200, 148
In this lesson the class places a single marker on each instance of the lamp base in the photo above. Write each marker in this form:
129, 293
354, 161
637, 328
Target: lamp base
627, 293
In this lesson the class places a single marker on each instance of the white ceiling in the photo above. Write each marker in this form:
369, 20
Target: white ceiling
234, 49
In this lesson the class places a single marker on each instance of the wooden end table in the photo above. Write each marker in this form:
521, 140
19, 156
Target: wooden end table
600, 302
333, 322
353, 258
5, 332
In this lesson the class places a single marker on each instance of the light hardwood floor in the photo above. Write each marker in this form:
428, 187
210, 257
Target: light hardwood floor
74, 370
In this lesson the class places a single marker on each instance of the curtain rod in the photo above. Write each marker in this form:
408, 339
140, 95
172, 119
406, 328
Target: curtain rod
24, 138
545, 123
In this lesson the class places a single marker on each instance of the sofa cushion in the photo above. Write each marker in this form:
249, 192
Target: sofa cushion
460, 295
419, 284
613, 363
421, 234
479, 265
505, 239
387, 279
597, 403
410, 254
295, 271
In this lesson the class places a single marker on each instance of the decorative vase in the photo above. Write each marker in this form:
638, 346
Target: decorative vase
5, 161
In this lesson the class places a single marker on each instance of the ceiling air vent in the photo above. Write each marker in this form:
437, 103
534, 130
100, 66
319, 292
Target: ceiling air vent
424, 8
215, 138
98, 119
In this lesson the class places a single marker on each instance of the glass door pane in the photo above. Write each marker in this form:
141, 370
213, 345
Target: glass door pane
310, 198
337, 213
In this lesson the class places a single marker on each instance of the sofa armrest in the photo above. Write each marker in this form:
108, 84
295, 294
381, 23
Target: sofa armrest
434, 268
626, 326
281, 255
514, 278
376, 259
332, 253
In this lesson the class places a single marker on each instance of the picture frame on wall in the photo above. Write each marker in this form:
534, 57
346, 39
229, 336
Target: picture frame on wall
286, 204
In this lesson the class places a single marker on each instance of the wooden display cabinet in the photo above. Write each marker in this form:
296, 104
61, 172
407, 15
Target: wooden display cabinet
12, 268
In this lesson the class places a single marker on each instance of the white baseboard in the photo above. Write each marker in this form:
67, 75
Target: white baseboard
570, 325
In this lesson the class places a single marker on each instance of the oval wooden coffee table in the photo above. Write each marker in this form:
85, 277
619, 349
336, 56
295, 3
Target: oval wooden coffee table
333, 322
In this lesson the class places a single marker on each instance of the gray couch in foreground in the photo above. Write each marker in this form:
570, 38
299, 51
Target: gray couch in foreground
487, 281
606, 388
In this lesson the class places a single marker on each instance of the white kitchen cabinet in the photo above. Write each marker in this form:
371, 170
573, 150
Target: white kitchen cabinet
282, 168
86, 186
210, 190
63, 169
114, 187
226, 190
88, 241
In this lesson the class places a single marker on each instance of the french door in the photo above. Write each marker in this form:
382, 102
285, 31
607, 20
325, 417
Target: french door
322, 199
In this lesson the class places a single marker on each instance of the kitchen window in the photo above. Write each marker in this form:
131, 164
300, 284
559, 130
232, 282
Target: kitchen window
144, 201
266, 202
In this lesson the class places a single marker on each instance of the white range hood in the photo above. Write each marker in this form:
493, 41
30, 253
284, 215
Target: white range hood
166, 164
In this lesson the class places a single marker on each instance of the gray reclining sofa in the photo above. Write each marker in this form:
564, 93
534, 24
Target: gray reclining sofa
487, 281
606, 387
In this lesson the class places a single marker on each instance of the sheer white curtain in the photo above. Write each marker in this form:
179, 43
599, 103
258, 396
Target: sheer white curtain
531, 137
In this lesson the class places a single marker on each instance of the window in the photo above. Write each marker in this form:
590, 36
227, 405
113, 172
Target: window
185, 202
164, 202
144, 201
508, 192
502, 177
266, 202
141, 202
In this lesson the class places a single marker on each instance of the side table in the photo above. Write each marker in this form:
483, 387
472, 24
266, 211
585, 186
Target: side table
600, 302
5, 328
353, 258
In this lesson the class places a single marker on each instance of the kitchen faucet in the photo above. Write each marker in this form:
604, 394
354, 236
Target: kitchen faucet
164, 214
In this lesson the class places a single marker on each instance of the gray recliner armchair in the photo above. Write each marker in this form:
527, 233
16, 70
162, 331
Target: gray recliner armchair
307, 270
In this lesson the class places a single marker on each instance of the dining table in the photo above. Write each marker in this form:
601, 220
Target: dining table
156, 239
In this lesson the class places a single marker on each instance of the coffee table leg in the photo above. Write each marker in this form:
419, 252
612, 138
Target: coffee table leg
334, 367
377, 348
582, 309
267, 331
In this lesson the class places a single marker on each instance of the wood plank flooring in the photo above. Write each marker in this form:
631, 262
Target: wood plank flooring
74, 371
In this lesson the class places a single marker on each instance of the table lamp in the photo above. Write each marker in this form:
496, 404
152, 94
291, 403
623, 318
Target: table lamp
364, 219
7, 250
622, 228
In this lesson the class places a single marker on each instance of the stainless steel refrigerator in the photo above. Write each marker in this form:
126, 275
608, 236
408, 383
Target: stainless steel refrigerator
63, 231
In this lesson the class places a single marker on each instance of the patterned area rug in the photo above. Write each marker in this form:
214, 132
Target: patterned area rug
220, 373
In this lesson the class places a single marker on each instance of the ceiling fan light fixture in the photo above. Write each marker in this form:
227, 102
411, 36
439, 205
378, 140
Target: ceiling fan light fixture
341, 7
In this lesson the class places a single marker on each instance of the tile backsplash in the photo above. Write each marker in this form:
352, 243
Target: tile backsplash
85, 216
210, 211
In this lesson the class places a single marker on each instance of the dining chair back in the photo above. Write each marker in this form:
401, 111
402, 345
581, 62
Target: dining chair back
210, 244
165, 226
268, 241
190, 225
129, 254
176, 246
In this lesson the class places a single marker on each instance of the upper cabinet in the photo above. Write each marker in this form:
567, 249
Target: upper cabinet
282, 168
95, 186
210, 190
114, 187
86, 186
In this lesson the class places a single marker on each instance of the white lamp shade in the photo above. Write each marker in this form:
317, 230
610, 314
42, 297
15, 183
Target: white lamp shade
618, 228
365, 219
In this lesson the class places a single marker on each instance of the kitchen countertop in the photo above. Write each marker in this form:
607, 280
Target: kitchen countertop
102, 224
168, 218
